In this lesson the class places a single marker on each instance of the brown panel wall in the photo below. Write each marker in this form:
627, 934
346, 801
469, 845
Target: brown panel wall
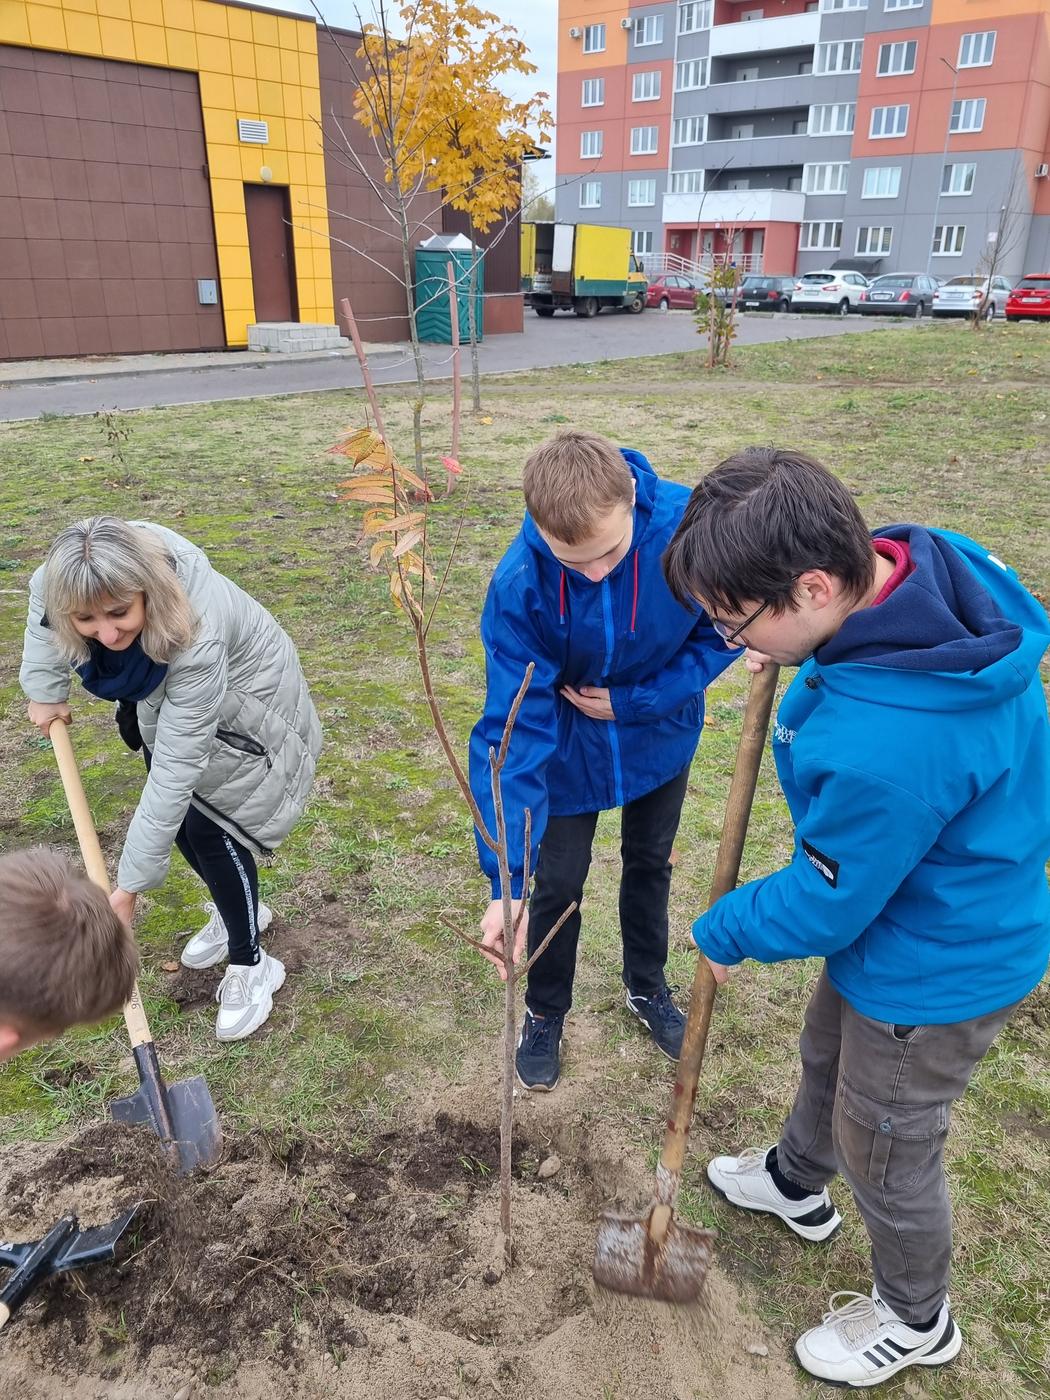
105, 210
369, 272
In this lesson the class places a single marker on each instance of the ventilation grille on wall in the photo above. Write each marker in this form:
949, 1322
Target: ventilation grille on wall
258, 133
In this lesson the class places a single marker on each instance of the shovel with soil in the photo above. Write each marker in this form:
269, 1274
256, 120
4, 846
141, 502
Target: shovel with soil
654, 1255
182, 1115
65, 1246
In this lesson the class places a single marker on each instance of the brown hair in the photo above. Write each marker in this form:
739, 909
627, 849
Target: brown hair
571, 481
65, 956
759, 520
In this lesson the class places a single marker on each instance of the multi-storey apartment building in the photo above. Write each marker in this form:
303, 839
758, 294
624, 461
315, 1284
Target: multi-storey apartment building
895, 133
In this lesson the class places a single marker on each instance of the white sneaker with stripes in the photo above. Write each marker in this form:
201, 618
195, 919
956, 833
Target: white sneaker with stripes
212, 944
862, 1342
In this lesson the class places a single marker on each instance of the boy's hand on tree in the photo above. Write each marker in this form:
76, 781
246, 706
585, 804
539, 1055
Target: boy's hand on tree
44, 713
591, 700
756, 661
492, 934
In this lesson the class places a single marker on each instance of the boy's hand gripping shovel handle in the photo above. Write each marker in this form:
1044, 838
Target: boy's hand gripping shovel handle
702, 996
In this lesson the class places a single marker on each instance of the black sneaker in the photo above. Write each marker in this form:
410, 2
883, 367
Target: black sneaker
538, 1061
662, 1019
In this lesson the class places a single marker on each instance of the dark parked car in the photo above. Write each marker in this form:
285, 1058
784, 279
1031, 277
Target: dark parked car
673, 290
759, 293
898, 294
1031, 297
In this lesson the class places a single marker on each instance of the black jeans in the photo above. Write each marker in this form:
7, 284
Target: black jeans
230, 873
647, 827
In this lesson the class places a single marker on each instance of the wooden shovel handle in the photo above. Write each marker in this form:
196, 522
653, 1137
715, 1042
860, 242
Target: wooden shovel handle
94, 861
727, 868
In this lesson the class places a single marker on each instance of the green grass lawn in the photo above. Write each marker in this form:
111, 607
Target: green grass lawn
935, 424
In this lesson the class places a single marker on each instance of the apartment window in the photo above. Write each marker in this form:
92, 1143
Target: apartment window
646, 86
958, 179
741, 131
825, 179
881, 182
840, 58
844, 5
896, 58
689, 131
794, 182
833, 119
590, 145
687, 182
644, 140
752, 14
648, 29
888, 121
968, 114
692, 73
641, 241
740, 182
694, 16
875, 241
591, 194
977, 50
746, 75
820, 237
641, 192
593, 92
948, 240
904, 4
805, 68
594, 38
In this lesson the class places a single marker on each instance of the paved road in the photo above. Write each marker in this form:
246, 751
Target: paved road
564, 340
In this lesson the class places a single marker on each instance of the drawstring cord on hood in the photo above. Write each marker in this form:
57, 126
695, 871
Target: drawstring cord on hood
634, 600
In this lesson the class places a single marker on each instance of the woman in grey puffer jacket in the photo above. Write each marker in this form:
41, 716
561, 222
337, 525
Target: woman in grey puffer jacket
210, 686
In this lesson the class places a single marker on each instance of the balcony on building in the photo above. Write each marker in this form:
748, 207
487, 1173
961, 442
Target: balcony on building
761, 35
758, 124
753, 81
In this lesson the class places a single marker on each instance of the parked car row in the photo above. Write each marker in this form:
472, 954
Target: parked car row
841, 291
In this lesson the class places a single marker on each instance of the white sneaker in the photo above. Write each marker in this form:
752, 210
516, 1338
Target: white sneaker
862, 1342
212, 944
745, 1181
245, 996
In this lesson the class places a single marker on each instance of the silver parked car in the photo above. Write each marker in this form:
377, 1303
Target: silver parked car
963, 295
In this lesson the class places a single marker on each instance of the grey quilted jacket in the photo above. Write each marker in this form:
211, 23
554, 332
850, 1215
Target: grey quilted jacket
232, 728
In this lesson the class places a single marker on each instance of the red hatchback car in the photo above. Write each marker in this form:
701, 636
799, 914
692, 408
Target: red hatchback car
672, 290
1031, 297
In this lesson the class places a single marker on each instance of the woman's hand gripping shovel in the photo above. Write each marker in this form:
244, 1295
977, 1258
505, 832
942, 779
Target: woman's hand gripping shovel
654, 1255
182, 1115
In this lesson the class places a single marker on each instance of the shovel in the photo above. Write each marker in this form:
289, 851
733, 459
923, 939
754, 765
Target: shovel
65, 1246
654, 1255
182, 1115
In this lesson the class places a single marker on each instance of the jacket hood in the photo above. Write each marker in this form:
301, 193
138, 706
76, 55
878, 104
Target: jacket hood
960, 632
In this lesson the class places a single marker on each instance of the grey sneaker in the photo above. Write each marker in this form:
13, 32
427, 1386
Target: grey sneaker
245, 997
212, 944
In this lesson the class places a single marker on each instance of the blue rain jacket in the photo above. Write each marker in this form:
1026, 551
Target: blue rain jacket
626, 633
914, 753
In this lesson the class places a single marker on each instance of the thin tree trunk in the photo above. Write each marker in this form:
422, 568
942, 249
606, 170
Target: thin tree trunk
417, 353
472, 322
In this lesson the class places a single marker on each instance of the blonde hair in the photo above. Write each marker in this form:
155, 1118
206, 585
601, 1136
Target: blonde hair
571, 481
107, 558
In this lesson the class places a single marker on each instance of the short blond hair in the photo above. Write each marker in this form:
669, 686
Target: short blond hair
572, 480
65, 956
107, 558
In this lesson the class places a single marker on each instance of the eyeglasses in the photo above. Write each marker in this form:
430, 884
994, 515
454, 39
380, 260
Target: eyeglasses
729, 636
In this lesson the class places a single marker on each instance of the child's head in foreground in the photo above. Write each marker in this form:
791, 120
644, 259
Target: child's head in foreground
65, 956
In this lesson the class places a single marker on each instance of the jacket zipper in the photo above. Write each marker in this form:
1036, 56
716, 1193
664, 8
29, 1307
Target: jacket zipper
230, 822
614, 736
243, 744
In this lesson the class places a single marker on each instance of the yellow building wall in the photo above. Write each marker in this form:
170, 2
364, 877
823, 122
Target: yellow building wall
250, 64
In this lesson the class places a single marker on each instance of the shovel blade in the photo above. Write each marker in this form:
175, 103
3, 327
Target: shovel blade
197, 1133
627, 1259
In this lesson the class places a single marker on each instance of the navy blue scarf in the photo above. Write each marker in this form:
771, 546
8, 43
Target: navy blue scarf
128, 675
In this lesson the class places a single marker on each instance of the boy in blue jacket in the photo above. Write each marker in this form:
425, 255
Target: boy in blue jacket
913, 748
612, 718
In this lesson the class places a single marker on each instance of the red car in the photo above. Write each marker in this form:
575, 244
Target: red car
1031, 297
672, 289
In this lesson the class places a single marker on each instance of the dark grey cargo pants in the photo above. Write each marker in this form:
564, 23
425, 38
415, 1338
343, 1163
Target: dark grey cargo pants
874, 1104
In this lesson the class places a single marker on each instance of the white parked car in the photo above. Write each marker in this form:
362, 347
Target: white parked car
828, 291
963, 295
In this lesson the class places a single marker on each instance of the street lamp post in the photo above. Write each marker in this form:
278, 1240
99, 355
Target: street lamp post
944, 158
